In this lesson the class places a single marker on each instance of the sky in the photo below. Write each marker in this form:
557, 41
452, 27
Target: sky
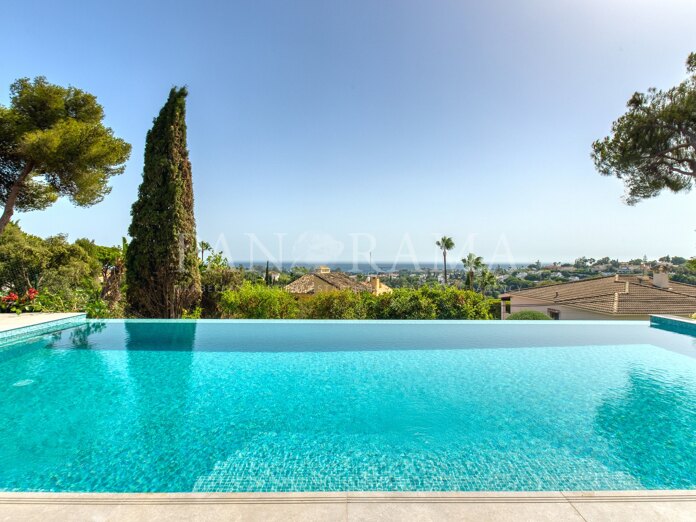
329, 130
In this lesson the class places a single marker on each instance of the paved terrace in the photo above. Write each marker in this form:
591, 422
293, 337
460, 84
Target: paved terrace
636, 506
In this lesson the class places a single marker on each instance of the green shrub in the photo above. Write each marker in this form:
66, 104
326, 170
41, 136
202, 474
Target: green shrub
97, 309
65, 300
452, 303
18, 304
255, 301
216, 277
494, 308
343, 304
194, 313
528, 315
403, 303
252, 301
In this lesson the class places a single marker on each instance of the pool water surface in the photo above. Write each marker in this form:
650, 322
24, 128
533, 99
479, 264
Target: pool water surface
179, 406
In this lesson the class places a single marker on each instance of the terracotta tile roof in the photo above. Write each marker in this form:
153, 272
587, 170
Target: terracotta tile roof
338, 280
622, 295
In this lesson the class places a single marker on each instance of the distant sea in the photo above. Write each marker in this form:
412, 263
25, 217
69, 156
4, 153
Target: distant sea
365, 268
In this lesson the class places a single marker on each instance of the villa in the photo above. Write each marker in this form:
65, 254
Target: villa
324, 280
519, 175
611, 297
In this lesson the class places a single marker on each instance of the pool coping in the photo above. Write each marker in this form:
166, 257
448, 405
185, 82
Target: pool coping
588, 506
14, 327
681, 495
674, 323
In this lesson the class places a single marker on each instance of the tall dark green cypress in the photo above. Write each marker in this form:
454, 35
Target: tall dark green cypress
162, 271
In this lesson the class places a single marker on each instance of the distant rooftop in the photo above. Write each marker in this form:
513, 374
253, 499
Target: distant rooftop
310, 283
323, 280
618, 295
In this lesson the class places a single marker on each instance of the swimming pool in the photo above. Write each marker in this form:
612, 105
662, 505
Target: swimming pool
178, 406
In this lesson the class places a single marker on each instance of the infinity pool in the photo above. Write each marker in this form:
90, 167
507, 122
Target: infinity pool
178, 406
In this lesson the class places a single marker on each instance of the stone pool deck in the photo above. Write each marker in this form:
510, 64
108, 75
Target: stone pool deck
14, 327
636, 506
14, 321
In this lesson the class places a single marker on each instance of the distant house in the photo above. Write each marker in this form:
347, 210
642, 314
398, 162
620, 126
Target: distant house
324, 280
377, 287
613, 297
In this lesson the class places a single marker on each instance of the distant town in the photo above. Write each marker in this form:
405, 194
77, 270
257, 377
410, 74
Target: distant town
509, 277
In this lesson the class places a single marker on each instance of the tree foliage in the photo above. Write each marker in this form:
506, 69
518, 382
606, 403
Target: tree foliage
691, 264
217, 276
487, 280
257, 301
65, 274
653, 145
344, 304
162, 275
112, 266
53, 143
252, 301
473, 264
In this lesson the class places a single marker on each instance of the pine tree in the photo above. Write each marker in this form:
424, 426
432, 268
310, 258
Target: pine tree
162, 275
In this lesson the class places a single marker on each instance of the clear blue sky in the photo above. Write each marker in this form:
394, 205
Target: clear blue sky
321, 119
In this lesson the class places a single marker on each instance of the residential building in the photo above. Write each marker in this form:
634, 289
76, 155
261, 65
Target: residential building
612, 297
324, 280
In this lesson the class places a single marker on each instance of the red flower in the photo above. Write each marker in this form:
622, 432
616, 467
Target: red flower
10, 297
32, 293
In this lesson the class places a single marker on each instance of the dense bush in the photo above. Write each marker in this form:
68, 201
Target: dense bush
258, 302
98, 309
13, 302
528, 315
684, 277
402, 303
65, 274
261, 302
216, 277
452, 303
494, 308
344, 304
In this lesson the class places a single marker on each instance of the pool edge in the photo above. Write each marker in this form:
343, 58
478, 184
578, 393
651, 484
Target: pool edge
587, 506
43, 324
643, 495
674, 323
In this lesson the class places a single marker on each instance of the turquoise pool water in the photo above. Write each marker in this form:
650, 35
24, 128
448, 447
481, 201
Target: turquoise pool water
304, 406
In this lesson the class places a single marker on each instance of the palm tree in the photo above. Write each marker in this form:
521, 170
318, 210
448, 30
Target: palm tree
487, 279
473, 264
205, 247
445, 243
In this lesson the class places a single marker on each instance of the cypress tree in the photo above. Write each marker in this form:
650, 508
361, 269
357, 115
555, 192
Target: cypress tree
162, 269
